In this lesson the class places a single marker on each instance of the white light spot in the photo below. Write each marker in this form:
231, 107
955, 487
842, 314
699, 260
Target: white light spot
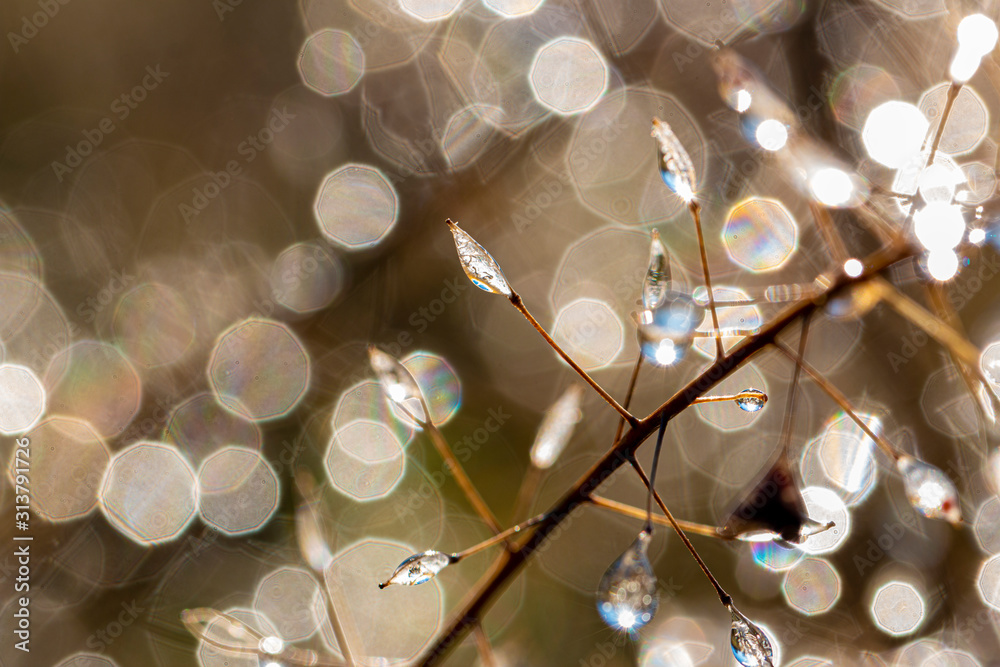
978, 34
894, 132
772, 135
942, 264
977, 236
853, 268
831, 186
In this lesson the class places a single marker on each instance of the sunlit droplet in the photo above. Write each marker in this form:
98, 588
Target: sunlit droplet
942, 264
419, 569
556, 428
977, 236
667, 332
939, 226
929, 490
654, 287
479, 265
272, 645
894, 132
853, 268
831, 187
750, 645
751, 400
627, 596
675, 164
978, 34
397, 383
772, 135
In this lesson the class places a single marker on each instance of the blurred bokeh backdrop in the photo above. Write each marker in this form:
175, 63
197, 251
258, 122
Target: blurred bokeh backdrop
210, 208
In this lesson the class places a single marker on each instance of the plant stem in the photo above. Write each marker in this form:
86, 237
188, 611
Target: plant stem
696, 215
724, 597
930, 323
499, 537
830, 390
515, 299
486, 656
826, 227
652, 475
636, 513
953, 91
509, 563
727, 397
629, 393
786, 430
458, 472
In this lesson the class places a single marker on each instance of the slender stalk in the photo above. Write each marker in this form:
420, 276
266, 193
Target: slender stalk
971, 373
526, 493
509, 563
499, 537
830, 234
458, 472
726, 332
652, 474
830, 390
724, 597
786, 430
728, 397
953, 91
932, 325
486, 656
636, 513
197, 619
515, 299
696, 215
629, 393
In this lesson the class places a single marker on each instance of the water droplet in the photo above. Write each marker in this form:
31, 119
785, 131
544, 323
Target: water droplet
556, 428
751, 400
627, 597
667, 332
751, 647
929, 490
674, 162
654, 287
419, 569
397, 383
479, 265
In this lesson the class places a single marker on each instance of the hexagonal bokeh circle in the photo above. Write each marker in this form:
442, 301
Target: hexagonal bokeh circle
760, 234
356, 206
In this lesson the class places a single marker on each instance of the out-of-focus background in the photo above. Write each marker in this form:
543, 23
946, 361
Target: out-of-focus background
211, 208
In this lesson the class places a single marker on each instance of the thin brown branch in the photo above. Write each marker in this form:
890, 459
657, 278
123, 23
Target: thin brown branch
838, 397
696, 215
515, 299
636, 513
509, 563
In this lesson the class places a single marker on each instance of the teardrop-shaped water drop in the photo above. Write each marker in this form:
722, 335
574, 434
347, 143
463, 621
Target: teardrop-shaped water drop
479, 265
675, 164
751, 400
627, 596
751, 647
654, 287
419, 569
556, 428
397, 383
666, 333
929, 490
